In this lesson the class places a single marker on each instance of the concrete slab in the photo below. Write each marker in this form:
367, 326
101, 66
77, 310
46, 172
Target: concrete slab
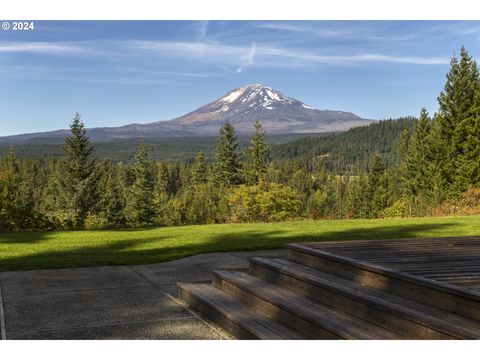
38, 281
63, 310
184, 328
116, 302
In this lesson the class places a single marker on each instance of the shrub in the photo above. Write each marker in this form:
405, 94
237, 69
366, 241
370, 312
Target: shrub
399, 209
269, 202
467, 204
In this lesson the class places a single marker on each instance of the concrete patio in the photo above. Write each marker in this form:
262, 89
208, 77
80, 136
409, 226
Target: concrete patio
111, 302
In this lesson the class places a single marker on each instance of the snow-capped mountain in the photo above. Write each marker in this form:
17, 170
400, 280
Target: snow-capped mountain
242, 106
277, 112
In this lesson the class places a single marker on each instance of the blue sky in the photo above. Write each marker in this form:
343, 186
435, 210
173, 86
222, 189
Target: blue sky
120, 72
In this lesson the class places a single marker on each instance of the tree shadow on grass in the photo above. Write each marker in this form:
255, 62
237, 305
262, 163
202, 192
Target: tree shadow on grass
23, 237
125, 252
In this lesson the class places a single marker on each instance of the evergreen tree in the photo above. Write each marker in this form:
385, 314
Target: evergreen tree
257, 152
451, 125
467, 167
199, 171
228, 166
9, 176
419, 164
141, 209
79, 179
376, 193
359, 203
113, 203
167, 178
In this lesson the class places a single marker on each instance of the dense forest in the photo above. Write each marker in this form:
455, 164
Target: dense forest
182, 149
394, 168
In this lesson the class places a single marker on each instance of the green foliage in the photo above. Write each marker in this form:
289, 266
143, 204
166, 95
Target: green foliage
228, 166
324, 203
257, 152
141, 207
19, 183
203, 204
356, 147
268, 202
399, 209
78, 192
454, 125
113, 202
200, 171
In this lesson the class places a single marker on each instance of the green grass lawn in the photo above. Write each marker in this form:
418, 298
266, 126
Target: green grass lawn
40, 250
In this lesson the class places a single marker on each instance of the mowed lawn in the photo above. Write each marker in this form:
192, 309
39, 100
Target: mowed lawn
41, 250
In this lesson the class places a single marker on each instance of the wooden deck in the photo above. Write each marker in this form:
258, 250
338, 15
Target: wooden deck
371, 289
449, 261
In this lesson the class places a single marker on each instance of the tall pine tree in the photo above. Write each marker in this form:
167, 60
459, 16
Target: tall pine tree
78, 182
199, 171
419, 165
456, 104
228, 166
141, 209
257, 152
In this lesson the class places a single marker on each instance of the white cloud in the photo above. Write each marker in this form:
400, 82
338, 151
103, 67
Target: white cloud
248, 59
55, 48
267, 54
202, 30
353, 33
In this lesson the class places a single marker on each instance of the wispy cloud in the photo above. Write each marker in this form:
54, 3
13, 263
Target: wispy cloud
327, 33
202, 30
166, 72
248, 59
338, 32
244, 56
53, 48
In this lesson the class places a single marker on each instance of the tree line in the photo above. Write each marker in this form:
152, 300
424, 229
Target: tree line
407, 167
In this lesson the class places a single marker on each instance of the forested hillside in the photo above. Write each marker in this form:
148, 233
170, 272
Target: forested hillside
355, 147
160, 149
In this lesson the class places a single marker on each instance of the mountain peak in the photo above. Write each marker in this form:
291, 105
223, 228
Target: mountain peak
278, 113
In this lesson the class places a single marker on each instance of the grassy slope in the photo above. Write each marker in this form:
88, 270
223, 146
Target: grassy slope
19, 251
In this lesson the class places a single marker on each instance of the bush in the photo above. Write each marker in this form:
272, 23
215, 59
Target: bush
467, 204
399, 209
264, 202
323, 203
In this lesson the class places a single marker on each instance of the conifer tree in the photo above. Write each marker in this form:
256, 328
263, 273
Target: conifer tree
199, 171
79, 179
9, 176
418, 160
257, 152
141, 209
228, 166
467, 168
456, 103
376, 193
113, 203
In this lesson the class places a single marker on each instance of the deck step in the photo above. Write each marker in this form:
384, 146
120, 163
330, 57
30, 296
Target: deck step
235, 316
429, 292
400, 315
306, 316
